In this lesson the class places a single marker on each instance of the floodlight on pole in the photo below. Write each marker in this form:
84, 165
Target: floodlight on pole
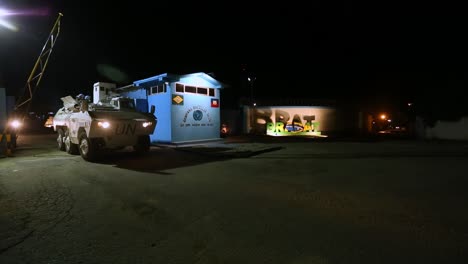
251, 83
4, 12
252, 104
4, 23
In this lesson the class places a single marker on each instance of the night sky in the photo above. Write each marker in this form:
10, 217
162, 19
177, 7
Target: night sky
373, 55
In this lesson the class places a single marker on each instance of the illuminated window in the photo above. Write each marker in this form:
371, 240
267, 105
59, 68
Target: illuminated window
179, 88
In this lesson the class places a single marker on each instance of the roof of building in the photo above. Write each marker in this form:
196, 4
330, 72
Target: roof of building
196, 79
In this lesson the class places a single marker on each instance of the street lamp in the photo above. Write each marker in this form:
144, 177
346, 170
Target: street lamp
251, 83
252, 103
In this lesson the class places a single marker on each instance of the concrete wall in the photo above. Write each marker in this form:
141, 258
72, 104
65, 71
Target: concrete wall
233, 118
324, 117
457, 130
162, 103
196, 118
137, 94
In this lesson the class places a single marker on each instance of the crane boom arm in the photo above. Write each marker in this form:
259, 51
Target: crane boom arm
23, 103
39, 67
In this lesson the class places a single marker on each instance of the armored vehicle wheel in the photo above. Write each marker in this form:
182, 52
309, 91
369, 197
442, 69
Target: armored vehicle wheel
143, 144
87, 149
60, 139
70, 147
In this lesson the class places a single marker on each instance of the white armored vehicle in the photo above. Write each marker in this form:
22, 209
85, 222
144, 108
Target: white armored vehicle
110, 122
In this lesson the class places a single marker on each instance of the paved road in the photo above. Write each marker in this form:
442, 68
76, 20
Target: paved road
304, 202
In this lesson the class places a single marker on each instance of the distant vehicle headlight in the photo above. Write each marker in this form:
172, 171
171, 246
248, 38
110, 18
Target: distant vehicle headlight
147, 124
15, 124
103, 124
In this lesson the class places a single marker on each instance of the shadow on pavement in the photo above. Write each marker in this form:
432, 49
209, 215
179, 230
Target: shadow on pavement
158, 160
162, 158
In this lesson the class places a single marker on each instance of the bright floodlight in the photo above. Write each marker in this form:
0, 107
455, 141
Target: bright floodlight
15, 124
4, 23
383, 116
27, 12
3, 12
8, 25
104, 124
147, 124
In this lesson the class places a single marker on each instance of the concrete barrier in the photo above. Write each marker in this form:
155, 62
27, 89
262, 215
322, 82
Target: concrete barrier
451, 130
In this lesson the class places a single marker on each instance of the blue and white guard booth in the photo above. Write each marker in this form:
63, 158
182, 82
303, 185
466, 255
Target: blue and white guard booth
187, 106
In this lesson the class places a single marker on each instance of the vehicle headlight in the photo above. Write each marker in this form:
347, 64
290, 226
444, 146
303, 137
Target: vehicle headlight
103, 124
15, 124
147, 124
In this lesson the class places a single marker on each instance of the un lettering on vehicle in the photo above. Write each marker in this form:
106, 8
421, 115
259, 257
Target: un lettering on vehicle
125, 129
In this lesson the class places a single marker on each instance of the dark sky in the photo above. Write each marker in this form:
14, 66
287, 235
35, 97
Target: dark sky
371, 53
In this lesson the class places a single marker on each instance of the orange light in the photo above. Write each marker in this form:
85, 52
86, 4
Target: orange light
383, 117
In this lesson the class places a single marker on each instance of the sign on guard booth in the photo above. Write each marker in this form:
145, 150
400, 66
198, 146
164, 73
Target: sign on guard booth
187, 106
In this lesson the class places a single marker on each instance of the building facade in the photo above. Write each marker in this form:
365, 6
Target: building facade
187, 106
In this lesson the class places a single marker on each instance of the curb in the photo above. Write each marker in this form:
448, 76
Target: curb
258, 152
228, 152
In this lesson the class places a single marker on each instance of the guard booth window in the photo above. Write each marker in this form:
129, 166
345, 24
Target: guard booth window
179, 88
161, 88
201, 90
190, 89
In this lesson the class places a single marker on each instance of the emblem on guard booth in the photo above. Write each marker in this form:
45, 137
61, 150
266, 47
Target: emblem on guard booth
197, 115
214, 102
177, 99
